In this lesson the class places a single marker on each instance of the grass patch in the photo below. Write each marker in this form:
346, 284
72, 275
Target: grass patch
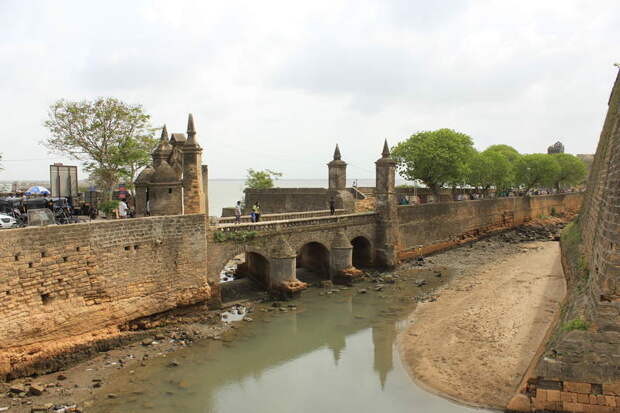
236, 236
575, 324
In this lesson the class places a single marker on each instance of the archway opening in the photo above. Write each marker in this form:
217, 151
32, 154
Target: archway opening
362, 252
234, 269
257, 268
313, 262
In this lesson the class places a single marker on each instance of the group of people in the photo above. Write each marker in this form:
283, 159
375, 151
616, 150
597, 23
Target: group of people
254, 214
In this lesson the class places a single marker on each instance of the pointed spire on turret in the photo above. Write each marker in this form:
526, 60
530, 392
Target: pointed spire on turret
386, 150
164, 134
337, 156
164, 148
191, 131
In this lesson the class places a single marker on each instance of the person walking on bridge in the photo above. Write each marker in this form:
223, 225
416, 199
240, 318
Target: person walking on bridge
332, 206
256, 211
238, 213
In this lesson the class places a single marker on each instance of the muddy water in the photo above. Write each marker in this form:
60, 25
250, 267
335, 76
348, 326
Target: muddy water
336, 352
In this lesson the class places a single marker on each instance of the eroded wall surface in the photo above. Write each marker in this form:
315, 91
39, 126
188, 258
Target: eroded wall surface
579, 369
62, 281
426, 228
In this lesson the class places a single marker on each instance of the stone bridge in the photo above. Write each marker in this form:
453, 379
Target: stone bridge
327, 245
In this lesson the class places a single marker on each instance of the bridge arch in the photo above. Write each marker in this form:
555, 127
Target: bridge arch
314, 256
258, 268
362, 252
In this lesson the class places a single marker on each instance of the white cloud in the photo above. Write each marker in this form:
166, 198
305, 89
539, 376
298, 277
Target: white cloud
275, 84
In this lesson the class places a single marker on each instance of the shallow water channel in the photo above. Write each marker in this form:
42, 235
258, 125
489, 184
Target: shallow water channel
336, 352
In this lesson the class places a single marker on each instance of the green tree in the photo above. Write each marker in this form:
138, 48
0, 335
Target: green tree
133, 155
261, 179
573, 170
490, 169
510, 153
437, 158
1, 167
106, 134
536, 170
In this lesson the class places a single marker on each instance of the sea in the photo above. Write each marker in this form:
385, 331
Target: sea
226, 192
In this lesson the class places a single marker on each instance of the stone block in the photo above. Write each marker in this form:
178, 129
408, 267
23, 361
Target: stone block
611, 388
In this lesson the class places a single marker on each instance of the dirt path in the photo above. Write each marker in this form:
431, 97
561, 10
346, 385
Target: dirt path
476, 342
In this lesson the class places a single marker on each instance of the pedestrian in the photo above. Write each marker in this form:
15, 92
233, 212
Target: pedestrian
332, 206
256, 211
238, 213
122, 209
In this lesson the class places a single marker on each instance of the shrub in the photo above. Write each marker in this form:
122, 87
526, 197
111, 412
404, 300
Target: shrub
108, 207
575, 324
237, 236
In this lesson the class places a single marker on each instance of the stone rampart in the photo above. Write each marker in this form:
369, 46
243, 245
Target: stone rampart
63, 281
282, 200
427, 228
579, 369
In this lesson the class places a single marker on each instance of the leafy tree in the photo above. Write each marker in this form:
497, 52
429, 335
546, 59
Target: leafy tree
536, 170
572, 170
490, 169
133, 155
436, 158
510, 153
261, 179
109, 136
1, 167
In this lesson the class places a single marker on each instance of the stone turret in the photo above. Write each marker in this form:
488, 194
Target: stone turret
163, 150
141, 184
386, 207
337, 171
193, 190
165, 195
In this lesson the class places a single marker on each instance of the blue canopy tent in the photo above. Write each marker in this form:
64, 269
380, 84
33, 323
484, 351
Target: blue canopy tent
37, 190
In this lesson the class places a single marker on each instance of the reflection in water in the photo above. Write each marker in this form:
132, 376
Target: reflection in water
335, 353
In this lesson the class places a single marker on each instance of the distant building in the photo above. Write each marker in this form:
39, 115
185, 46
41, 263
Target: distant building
556, 148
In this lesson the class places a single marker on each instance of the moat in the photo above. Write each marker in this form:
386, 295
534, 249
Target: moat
334, 351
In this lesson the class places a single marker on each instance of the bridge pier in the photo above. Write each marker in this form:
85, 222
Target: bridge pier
342, 269
283, 270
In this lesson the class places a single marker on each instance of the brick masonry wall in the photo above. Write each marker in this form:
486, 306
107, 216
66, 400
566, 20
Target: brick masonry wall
440, 225
62, 281
281, 200
579, 370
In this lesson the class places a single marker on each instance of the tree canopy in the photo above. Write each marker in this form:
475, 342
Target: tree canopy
537, 170
261, 179
572, 170
437, 158
113, 139
490, 169
510, 153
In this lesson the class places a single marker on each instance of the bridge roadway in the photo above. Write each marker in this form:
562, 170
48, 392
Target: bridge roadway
276, 247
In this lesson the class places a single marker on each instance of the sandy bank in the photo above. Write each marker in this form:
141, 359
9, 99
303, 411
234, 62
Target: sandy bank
476, 342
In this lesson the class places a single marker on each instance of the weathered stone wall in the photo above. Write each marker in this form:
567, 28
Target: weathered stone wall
429, 227
62, 281
281, 200
579, 369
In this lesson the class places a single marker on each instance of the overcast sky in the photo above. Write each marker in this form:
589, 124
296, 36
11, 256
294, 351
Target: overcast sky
277, 84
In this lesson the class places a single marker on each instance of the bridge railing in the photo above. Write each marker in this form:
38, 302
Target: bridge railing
345, 219
280, 216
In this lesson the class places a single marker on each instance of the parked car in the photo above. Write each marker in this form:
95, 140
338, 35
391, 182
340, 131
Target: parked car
7, 221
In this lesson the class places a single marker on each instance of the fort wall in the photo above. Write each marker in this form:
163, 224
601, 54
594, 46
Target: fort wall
579, 369
282, 200
427, 228
63, 281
